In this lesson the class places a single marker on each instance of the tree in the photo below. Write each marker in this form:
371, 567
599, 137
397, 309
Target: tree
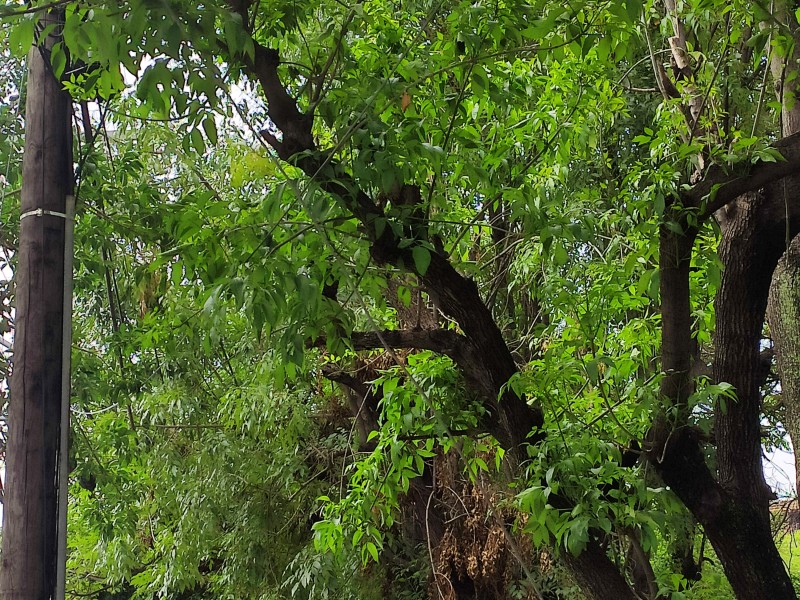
553, 270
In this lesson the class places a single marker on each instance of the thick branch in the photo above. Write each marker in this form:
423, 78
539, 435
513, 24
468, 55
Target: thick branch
442, 341
295, 126
456, 295
337, 375
673, 447
480, 370
720, 187
486, 361
8, 11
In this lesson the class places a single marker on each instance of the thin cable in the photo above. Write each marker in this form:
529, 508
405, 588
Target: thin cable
66, 365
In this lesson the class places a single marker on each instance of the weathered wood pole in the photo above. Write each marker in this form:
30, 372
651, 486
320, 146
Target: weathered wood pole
28, 566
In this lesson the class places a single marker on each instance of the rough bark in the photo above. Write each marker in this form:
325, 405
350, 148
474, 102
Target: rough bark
672, 445
732, 506
591, 571
783, 313
784, 300
751, 246
755, 234
741, 301
733, 509
29, 515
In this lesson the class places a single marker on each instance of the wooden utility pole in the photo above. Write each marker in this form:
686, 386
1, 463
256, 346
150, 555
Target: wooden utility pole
28, 567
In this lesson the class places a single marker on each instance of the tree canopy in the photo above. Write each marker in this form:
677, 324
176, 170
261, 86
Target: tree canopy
436, 299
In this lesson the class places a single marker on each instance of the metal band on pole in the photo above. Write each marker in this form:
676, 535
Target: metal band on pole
39, 212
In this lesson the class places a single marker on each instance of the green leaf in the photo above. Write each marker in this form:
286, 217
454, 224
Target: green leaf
58, 59
20, 38
634, 9
234, 33
404, 295
422, 259
210, 127
197, 142
560, 255
480, 81
373, 550
659, 204
592, 371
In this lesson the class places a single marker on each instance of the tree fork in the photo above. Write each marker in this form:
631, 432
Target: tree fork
751, 245
733, 511
28, 570
457, 296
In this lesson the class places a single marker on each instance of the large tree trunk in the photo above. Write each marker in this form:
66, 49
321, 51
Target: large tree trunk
751, 245
749, 260
734, 507
783, 308
28, 569
598, 577
783, 313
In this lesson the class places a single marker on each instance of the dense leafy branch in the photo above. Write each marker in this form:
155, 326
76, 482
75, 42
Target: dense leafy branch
456, 295
720, 186
442, 341
483, 354
13, 11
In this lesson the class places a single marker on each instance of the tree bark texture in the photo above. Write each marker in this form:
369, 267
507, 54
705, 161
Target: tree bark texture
783, 308
783, 314
29, 516
741, 301
755, 234
733, 508
751, 245
598, 577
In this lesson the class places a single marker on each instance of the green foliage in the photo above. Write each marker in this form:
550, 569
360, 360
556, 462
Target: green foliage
12, 79
423, 410
212, 458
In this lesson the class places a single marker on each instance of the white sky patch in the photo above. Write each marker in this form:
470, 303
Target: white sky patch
779, 471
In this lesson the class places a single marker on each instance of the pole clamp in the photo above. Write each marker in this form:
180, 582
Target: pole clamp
41, 212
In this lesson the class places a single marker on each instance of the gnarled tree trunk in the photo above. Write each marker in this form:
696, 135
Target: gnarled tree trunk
750, 248
783, 313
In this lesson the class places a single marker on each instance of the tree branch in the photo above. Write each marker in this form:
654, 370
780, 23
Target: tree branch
10, 10
720, 187
487, 361
442, 341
